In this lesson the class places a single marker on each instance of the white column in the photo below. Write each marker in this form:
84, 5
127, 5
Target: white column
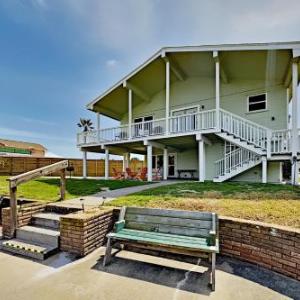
126, 158
149, 162
106, 166
129, 112
201, 160
167, 95
98, 127
165, 164
264, 169
295, 135
84, 164
217, 67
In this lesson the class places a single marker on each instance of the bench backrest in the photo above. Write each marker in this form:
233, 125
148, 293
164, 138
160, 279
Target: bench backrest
189, 223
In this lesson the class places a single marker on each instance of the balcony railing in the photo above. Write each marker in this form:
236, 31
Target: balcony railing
204, 120
274, 142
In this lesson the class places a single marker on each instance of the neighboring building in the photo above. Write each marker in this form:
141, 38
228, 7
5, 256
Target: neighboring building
18, 148
220, 110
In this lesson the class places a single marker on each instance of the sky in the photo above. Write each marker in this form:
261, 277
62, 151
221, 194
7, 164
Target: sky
58, 55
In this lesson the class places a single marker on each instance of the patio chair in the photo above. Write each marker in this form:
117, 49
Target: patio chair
157, 174
118, 175
130, 174
142, 176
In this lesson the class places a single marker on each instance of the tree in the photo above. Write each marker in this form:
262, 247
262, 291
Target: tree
85, 124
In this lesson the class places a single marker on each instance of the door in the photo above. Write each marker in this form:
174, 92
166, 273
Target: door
143, 126
185, 121
172, 165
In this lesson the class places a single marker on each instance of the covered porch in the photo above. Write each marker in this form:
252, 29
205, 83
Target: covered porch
181, 157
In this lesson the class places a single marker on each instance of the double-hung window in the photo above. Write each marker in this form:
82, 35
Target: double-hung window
257, 102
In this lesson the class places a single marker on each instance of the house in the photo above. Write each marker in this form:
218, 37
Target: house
216, 112
18, 148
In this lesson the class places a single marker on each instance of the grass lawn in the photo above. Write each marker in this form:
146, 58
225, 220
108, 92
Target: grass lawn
272, 203
47, 188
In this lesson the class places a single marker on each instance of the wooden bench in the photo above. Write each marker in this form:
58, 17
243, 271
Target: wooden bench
187, 171
176, 231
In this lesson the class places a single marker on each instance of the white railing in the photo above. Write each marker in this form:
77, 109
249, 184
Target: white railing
281, 141
119, 133
87, 137
244, 129
233, 160
148, 128
193, 122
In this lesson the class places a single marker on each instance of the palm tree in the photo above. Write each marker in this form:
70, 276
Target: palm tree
85, 124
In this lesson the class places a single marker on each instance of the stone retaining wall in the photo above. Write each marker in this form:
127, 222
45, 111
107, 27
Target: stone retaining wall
24, 216
83, 232
271, 246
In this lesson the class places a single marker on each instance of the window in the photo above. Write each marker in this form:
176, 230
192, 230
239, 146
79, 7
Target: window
257, 102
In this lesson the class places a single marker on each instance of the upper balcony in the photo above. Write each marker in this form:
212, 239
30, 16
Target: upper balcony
246, 131
185, 124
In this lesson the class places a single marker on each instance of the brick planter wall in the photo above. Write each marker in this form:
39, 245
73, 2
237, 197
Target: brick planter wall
83, 232
271, 246
24, 216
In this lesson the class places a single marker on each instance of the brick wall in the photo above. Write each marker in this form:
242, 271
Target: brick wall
274, 247
83, 232
24, 216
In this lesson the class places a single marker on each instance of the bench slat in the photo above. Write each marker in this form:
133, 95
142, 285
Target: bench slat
151, 227
163, 235
158, 240
170, 213
171, 221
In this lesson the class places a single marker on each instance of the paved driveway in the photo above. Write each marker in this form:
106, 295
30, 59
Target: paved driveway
134, 276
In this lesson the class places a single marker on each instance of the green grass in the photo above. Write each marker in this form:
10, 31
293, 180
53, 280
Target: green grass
272, 203
48, 188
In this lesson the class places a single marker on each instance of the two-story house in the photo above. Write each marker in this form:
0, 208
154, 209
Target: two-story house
221, 111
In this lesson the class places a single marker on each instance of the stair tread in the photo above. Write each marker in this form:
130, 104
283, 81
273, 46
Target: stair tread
48, 216
40, 230
35, 247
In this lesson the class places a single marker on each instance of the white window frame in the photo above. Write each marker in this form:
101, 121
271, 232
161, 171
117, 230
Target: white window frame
258, 110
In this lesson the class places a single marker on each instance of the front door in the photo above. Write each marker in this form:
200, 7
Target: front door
158, 164
171, 165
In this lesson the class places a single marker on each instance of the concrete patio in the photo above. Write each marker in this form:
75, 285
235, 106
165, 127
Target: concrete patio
137, 276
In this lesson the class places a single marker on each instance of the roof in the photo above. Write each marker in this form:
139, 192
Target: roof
293, 45
21, 144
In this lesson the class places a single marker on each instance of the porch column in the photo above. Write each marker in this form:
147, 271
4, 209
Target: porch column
165, 175
264, 169
149, 162
201, 160
84, 164
126, 157
106, 166
129, 112
98, 127
295, 135
167, 95
217, 68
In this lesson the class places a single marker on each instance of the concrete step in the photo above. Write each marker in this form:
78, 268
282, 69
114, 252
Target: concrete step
38, 235
46, 219
32, 250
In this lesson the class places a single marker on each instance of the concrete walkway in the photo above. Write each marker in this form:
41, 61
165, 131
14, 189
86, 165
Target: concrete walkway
100, 198
136, 276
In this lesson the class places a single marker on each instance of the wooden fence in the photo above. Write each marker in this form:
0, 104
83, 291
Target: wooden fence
14, 165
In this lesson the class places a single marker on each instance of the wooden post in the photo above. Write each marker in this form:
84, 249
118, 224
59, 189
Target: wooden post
13, 209
62, 184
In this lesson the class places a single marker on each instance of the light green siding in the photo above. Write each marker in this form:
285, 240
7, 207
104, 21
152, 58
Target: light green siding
255, 174
199, 91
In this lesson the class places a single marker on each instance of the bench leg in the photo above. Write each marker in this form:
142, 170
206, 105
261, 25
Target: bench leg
107, 256
213, 271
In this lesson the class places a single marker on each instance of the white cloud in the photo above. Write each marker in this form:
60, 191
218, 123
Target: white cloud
111, 63
17, 133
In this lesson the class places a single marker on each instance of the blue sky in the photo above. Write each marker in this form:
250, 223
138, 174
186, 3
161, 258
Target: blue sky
57, 55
